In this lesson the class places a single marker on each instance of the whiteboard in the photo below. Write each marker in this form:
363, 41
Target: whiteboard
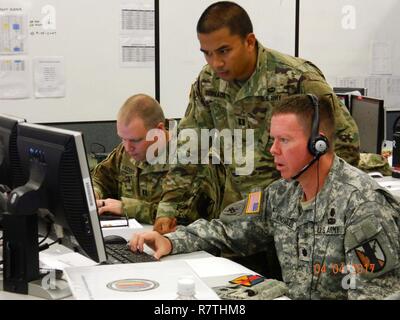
87, 36
342, 38
180, 56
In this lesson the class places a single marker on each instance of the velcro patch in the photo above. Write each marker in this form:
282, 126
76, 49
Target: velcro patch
371, 256
253, 202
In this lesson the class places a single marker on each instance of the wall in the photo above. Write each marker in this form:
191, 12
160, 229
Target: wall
180, 57
355, 43
87, 36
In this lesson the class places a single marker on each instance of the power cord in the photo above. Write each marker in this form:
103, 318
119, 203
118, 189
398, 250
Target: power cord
47, 245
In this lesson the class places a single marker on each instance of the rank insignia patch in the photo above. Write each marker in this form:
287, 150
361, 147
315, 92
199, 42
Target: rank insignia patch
253, 202
248, 280
371, 256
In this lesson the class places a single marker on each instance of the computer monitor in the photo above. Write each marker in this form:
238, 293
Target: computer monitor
10, 166
362, 91
59, 183
368, 113
391, 117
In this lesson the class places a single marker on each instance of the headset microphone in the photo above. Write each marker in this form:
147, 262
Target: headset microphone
305, 168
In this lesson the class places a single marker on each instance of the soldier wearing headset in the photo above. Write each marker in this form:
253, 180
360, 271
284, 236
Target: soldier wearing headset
336, 231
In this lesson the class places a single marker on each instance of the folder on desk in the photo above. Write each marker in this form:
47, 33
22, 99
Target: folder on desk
138, 281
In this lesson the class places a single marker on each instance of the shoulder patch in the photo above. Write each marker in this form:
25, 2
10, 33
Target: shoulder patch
253, 202
371, 256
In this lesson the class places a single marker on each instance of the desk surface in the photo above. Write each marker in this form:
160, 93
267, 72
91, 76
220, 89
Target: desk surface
211, 281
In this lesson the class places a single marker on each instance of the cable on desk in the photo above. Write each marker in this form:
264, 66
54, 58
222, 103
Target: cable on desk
47, 245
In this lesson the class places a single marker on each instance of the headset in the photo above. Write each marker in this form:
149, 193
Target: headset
317, 144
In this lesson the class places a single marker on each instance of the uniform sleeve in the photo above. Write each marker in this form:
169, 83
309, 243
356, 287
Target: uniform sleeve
141, 210
104, 175
181, 178
244, 235
347, 143
372, 252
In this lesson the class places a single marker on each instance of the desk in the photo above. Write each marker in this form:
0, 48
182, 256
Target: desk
391, 184
190, 258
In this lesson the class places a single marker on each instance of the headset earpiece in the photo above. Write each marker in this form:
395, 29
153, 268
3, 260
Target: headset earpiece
317, 144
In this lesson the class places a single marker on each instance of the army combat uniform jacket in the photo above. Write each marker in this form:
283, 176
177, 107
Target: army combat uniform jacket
351, 241
139, 185
215, 103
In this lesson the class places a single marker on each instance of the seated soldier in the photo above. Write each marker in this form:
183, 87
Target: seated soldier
126, 183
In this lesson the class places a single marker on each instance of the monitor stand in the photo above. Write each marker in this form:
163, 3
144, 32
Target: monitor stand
57, 290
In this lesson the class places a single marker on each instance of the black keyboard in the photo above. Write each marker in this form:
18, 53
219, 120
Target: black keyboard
120, 253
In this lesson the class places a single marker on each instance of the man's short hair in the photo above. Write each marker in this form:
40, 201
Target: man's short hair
143, 107
225, 14
302, 106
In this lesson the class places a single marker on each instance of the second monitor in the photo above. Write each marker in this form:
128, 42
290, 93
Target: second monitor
368, 113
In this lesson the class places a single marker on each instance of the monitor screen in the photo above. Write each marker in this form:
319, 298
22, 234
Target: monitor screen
391, 117
10, 167
368, 113
57, 159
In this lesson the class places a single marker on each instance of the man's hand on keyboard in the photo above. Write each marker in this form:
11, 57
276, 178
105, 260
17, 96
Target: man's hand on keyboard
160, 244
110, 206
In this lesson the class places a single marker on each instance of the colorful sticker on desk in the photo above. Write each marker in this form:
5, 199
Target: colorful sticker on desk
253, 202
248, 280
132, 285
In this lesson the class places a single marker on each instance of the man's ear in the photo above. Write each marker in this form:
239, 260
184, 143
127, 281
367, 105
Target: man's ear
251, 40
161, 126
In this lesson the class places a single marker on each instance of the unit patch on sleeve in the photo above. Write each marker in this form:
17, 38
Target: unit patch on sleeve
371, 256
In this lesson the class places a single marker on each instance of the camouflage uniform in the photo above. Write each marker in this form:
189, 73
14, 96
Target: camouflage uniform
139, 186
354, 224
215, 103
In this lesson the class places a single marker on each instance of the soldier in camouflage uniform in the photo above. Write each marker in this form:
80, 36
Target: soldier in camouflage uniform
239, 88
335, 229
126, 183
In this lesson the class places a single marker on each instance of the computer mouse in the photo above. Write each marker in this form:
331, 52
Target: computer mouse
114, 239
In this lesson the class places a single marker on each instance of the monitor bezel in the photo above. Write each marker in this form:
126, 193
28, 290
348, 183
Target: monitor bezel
86, 182
381, 119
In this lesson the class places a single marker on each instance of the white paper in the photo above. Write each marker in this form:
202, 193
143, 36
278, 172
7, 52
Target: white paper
91, 282
137, 15
349, 82
137, 50
381, 58
114, 223
137, 43
376, 86
14, 78
62, 261
125, 232
13, 33
216, 266
49, 77
390, 185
